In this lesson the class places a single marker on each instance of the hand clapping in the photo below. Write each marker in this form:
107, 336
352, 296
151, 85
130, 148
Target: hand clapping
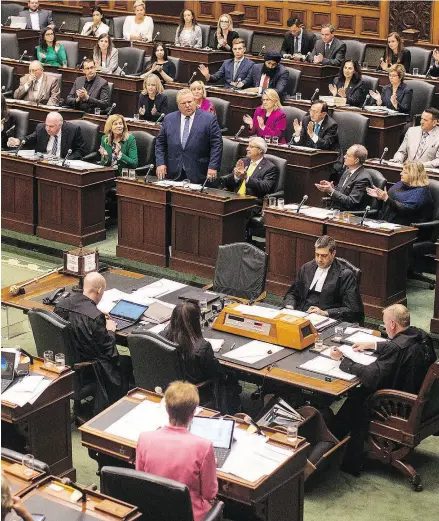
297, 127
377, 193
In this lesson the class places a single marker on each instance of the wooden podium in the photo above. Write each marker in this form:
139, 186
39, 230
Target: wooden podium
201, 223
381, 255
144, 221
71, 203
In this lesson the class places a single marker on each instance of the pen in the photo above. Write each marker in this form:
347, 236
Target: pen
233, 345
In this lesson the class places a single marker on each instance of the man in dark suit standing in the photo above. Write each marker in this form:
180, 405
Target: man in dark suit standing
189, 144
268, 75
37, 19
350, 193
299, 42
326, 286
89, 91
329, 50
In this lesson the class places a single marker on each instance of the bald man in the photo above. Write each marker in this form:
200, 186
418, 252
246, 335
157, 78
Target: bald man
38, 86
94, 338
55, 137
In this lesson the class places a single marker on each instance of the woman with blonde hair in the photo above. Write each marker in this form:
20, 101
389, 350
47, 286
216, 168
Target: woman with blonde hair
269, 120
152, 102
409, 200
10, 503
139, 26
118, 146
198, 89
224, 34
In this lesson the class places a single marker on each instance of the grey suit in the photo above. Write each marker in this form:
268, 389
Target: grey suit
350, 193
48, 94
44, 16
99, 95
410, 149
335, 56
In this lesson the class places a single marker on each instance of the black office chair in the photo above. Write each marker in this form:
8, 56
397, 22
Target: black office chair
355, 50
293, 80
352, 129
370, 82
292, 114
145, 151
357, 272
49, 329
229, 158
157, 498
205, 33
9, 46
7, 80
247, 36
8, 10
14, 456
21, 119
176, 62
377, 179
72, 52
118, 22
423, 96
82, 21
222, 108
91, 135
171, 94
134, 57
420, 60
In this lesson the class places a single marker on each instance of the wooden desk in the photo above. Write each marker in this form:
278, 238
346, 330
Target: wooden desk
19, 483
434, 323
201, 223
43, 428
38, 113
392, 172
71, 203
28, 39
381, 255
145, 126
144, 221
276, 497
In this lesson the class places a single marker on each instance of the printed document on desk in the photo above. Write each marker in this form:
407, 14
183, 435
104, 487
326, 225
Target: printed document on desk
257, 311
360, 336
328, 367
159, 288
252, 352
357, 356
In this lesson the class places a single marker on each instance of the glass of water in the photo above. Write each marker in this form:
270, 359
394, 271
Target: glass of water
60, 360
272, 202
125, 172
275, 140
136, 117
267, 139
318, 343
415, 71
338, 334
346, 217
292, 433
28, 464
298, 96
186, 184
132, 174
97, 111
364, 66
336, 215
281, 204
48, 357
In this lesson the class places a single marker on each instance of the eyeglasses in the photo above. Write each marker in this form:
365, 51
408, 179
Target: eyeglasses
224, 21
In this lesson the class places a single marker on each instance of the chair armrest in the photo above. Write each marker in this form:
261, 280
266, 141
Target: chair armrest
423, 226
215, 513
279, 193
207, 287
390, 403
94, 156
391, 394
82, 365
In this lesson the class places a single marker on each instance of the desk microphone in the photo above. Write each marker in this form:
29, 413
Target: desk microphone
69, 153
81, 65
305, 58
314, 95
204, 184
191, 78
235, 87
147, 172
241, 128
249, 420
111, 109
20, 146
8, 21
21, 57
383, 154
3, 88
10, 130
366, 211
365, 101
429, 70
261, 52
61, 26
155, 37
161, 118
302, 202
379, 69
125, 65
68, 482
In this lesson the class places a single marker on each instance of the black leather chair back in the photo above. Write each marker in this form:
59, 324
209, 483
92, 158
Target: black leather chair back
9, 46
229, 158
222, 108
282, 167
145, 147
247, 36
370, 82
13, 455
423, 96
21, 119
118, 22
90, 133
292, 114
171, 94
354, 269
8, 10
240, 270
134, 57
352, 129
293, 80
82, 21
434, 190
176, 62
205, 33
156, 361
7, 79
420, 60
355, 50
72, 52
377, 179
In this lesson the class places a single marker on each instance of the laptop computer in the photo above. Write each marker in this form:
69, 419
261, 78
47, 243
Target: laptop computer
126, 313
219, 431
8, 364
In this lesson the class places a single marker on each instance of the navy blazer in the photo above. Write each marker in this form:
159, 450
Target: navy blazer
278, 82
404, 96
327, 137
203, 148
356, 92
308, 42
226, 72
161, 105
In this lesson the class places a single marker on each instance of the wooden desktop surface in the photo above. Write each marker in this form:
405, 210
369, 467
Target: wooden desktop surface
18, 483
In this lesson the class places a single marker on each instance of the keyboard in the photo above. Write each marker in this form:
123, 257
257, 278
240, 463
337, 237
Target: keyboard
221, 456
5, 384
121, 323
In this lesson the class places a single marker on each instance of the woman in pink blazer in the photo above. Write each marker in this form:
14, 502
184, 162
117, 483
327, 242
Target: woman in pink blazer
268, 120
175, 453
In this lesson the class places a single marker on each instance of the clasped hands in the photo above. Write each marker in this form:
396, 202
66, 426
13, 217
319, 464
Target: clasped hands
81, 94
240, 171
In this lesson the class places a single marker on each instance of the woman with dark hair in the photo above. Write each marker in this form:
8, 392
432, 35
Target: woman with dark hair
49, 52
397, 95
395, 53
224, 34
106, 56
349, 85
159, 65
98, 26
188, 32
7, 122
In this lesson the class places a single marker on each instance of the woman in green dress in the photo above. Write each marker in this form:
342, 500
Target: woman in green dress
49, 51
118, 146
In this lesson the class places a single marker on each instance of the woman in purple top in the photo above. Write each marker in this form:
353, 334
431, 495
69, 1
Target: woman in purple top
269, 120
199, 91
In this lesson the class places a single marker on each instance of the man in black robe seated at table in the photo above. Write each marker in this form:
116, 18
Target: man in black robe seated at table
326, 286
94, 338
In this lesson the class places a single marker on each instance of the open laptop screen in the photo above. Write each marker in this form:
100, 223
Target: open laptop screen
8, 363
128, 310
218, 430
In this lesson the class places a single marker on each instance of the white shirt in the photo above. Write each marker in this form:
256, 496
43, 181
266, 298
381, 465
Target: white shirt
299, 41
34, 20
146, 28
102, 29
50, 145
182, 122
319, 279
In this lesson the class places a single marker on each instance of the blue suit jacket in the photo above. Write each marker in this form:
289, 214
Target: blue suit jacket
226, 72
203, 148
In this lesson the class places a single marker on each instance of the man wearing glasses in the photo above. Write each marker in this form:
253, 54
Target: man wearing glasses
89, 91
38, 87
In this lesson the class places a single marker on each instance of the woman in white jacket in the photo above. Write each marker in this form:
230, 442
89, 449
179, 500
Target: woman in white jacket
97, 27
140, 26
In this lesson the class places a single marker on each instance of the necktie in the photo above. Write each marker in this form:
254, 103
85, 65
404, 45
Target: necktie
235, 69
185, 131
243, 187
55, 146
326, 50
296, 45
316, 129
421, 146
265, 82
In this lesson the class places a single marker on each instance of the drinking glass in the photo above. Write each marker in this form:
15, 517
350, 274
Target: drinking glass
415, 71
364, 66
48, 357
275, 140
345, 217
97, 111
272, 202
132, 174
60, 360
338, 334
292, 433
318, 343
27, 463
298, 96
186, 184
281, 204
125, 172
136, 117
267, 139
336, 215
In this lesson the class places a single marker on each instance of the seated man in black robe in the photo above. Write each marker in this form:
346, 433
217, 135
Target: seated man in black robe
94, 338
326, 286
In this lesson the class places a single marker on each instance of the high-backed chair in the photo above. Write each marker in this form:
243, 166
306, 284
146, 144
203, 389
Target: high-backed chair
400, 421
270, 41
157, 498
110, 94
423, 96
377, 179
292, 114
72, 52
222, 108
9, 46
91, 135
8, 10
145, 150
13, 455
355, 50
370, 82
205, 33
58, 77
118, 22
171, 94
7, 80
134, 57
82, 21
352, 128
247, 36
176, 62
21, 118
421, 59
359, 316
229, 158
293, 80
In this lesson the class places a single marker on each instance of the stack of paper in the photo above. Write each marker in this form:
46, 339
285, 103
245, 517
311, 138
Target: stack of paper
252, 352
257, 311
318, 213
293, 312
357, 356
328, 367
26, 391
159, 288
361, 337
320, 322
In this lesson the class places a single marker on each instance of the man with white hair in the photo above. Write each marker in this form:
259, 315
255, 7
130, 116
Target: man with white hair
55, 137
38, 86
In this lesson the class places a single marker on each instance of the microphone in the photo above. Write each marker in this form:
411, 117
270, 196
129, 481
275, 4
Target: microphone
20, 146
241, 128
61, 26
81, 65
234, 87
161, 118
69, 153
147, 172
10, 130
383, 154
379, 69
305, 58
261, 52
192, 77
367, 209
70, 483
3, 88
302, 202
365, 101
111, 109
8, 21
204, 184
429, 70
314, 95
155, 37
249, 420
125, 65
21, 57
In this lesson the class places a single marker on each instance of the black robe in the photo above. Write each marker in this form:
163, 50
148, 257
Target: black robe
94, 343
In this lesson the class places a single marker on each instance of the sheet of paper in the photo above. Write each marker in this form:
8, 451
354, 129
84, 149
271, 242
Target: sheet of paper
318, 213
159, 288
252, 352
159, 328
360, 336
28, 384
77, 164
316, 319
72, 263
39, 390
357, 356
216, 343
352, 330
328, 367
257, 311
293, 312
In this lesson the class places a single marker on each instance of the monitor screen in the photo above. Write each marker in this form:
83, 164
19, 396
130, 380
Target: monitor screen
8, 363
128, 310
218, 430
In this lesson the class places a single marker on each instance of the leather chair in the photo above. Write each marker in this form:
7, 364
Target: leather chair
421, 59
134, 57
157, 498
378, 180
205, 33
8, 10
400, 421
91, 135
176, 62
357, 272
145, 151
21, 119
7, 80
171, 94
355, 50
14, 456
82, 21
58, 78
118, 22
72, 51
423, 96
9, 46
222, 108
370, 82
229, 158
352, 129
49, 329
292, 114
247, 36
293, 80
